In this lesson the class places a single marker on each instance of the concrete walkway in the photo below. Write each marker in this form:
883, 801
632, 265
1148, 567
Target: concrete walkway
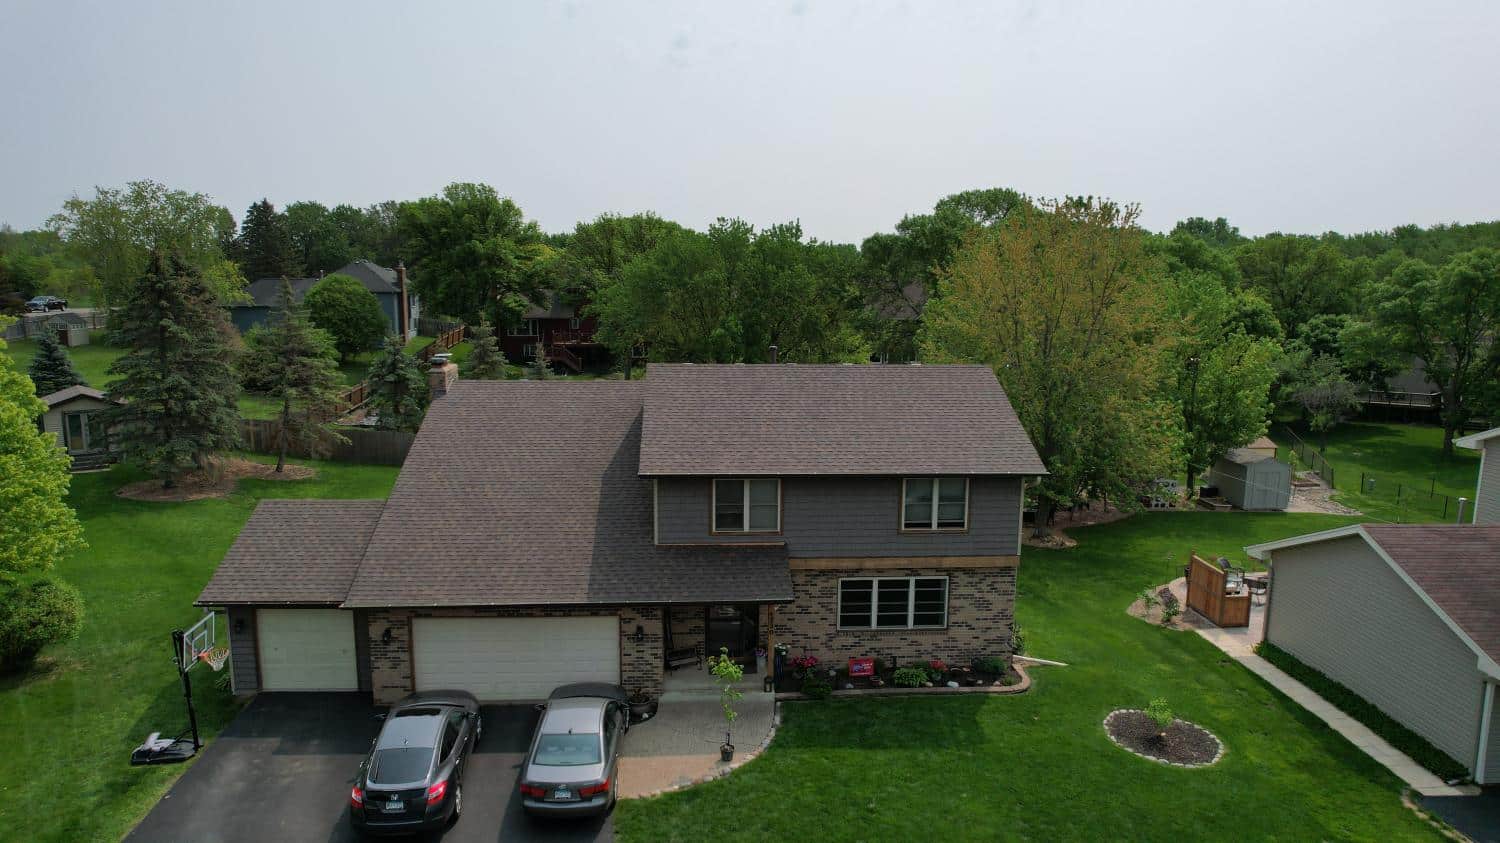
680, 745
1239, 644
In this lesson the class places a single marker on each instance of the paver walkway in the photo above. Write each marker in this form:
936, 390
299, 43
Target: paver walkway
1239, 644
680, 745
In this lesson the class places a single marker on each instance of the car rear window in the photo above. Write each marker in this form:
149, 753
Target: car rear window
570, 750
401, 764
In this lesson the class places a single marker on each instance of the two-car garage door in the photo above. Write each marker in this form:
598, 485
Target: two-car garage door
514, 658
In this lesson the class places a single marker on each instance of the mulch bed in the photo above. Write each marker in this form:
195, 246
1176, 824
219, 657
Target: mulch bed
1183, 744
217, 481
969, 681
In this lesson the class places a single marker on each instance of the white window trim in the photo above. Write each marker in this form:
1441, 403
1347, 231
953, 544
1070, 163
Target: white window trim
911, 602
713, 506
527, 328
934, 528
575, 323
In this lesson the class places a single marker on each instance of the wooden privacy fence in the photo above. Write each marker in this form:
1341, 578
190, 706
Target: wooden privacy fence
446, 340
1207, 597
357, 395
373, 447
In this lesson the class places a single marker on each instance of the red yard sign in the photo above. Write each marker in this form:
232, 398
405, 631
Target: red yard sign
861, 667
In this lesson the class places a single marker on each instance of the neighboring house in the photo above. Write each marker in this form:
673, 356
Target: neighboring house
841, 510
1487, 495
560, 328
1405, 615
388, 285
1251, 480
72, 415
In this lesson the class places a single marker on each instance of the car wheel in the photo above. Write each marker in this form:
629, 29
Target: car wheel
458, 801
614, 791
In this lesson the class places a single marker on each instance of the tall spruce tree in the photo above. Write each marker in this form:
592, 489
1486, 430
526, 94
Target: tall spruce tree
539, 367
177, 378
398, 392
51, 369
301, 372
266, 248
485, 361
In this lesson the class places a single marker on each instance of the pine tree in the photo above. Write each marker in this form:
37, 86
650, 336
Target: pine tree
485, 361
302, 373
177, 379
539, 366
398, 392
51, 369
266, 246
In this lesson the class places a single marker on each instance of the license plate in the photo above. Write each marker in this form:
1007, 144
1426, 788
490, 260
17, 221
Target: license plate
563, 794
393, 807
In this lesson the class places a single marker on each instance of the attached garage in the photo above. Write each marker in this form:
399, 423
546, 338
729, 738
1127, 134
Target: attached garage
514, 658
306, 650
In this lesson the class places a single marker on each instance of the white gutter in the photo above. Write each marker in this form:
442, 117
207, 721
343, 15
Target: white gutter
1484, 732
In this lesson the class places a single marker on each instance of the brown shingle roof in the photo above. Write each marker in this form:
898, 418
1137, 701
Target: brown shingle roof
1458, 565
527, 493
830, 419
301, 552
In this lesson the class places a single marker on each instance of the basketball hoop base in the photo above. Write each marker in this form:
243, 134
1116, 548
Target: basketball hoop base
162, 751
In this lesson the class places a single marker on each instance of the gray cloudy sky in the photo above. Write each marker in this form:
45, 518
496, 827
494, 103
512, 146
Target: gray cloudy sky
1297, 116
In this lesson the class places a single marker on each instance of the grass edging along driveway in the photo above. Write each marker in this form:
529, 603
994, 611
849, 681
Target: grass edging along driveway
1039, 765
69, 726
1437, 762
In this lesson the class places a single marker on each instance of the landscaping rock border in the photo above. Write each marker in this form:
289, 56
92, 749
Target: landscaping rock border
1018, 688
1218, 753
721, 769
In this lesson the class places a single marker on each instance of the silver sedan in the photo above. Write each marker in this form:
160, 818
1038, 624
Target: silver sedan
572, 765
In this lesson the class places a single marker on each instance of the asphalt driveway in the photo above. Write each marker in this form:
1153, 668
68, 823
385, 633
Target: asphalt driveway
282, 771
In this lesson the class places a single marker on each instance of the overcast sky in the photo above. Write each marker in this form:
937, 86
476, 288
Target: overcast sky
1294, 117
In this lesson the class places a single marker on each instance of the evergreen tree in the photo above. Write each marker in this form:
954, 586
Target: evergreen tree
485, 361
398, 392
301, 372
267, 249
51, 369
539, 367
177, 379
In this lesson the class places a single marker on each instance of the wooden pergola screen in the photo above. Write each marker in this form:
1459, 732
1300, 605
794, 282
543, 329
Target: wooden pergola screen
1206, 595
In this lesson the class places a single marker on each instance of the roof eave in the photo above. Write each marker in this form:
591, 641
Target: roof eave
1476, 441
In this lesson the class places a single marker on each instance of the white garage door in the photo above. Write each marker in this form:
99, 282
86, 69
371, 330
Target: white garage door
514, 658
306, 650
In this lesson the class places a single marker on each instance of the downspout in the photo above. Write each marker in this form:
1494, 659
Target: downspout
1485, 719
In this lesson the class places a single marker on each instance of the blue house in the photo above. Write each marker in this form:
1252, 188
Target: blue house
388, 285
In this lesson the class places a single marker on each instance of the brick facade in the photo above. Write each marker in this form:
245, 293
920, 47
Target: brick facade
981, 605
390, 663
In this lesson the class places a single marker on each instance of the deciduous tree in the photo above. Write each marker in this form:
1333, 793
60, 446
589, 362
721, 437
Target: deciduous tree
1325, 393
349, 313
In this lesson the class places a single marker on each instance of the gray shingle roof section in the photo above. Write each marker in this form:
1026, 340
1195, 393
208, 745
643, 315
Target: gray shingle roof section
1458, 565
375, 278
523, 493
295, 552
795, 419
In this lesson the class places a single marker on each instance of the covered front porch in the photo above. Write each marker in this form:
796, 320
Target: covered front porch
693, 632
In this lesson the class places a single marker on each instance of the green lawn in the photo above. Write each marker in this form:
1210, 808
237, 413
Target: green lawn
1399, 457
1038, 766
68, 730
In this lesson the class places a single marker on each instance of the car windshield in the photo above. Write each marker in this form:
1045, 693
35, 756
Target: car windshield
399, 765
570, 750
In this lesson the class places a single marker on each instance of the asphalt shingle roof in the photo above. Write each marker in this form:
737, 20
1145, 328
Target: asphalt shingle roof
1458, 565
299, 552
794, 419
375, 278
527, 493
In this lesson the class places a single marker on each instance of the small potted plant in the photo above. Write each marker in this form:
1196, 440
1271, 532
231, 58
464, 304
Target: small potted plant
727, 674
760, 660
642, 705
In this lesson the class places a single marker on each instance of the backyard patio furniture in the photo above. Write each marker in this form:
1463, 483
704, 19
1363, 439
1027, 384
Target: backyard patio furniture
1259, 586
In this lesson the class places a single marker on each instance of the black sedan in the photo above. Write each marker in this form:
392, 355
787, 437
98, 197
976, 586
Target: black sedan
412, 780
42, 304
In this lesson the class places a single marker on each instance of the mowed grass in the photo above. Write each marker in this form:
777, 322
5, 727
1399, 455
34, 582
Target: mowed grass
69, 727
1404, 458
1039, 766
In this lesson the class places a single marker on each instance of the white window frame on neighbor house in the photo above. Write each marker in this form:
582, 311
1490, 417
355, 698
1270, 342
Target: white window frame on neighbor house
575, 323
911, 602
528, 350
527, 328
745, 506
932, 522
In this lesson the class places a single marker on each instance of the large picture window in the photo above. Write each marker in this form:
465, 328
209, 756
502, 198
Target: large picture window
747, 505
935, 503
527, 328
893, 603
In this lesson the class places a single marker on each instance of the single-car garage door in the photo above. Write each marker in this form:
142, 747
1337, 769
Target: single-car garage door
306, 650
514, 658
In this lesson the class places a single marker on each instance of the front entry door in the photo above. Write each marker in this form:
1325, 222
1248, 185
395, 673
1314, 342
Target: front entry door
732, 626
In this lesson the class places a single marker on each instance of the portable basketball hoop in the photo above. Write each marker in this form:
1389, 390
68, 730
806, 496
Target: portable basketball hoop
191, 646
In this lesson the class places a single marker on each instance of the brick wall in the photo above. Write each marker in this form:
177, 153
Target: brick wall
390, 663
981, 604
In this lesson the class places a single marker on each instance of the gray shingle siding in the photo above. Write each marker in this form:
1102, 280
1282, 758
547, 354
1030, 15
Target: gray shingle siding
850, 517
1487, 496
1339, 608
242, 652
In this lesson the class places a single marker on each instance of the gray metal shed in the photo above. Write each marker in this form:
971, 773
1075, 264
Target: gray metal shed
1252, 481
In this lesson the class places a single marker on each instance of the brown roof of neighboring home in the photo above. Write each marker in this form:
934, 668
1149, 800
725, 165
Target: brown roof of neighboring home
840, 419
1262, 443
294, 552
1458, 566
527, 493
52, 399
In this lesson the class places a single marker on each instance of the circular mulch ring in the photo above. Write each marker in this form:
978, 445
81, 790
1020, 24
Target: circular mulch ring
217, 482
1183, 745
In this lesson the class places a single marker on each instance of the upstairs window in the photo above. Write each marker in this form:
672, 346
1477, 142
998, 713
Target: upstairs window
893, 603
751, 505
527, 328
935, 503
